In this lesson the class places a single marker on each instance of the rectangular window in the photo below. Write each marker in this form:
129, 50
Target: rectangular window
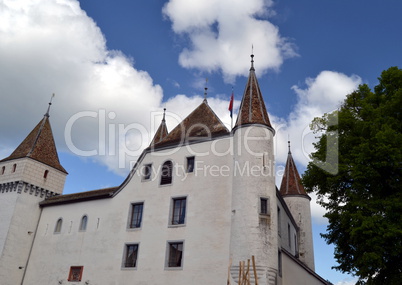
178, 211
290, 245
175, 254
146, 172
279, 221
136, 215
75, 273
130, 257
190, 164
280, 263
264, 206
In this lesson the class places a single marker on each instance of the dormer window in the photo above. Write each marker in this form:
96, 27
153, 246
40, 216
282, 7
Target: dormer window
45, 174
14, 167
166, 175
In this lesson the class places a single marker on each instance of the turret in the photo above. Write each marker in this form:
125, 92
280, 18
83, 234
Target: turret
29, 175
254, 202
298, 203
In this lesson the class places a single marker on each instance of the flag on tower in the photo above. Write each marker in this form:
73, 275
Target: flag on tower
231, 105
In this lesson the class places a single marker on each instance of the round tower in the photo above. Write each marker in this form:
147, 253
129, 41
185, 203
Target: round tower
254, 230
298, 203
28, 176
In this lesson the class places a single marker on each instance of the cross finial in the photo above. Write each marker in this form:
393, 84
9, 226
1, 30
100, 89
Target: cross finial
48, 108
205, 90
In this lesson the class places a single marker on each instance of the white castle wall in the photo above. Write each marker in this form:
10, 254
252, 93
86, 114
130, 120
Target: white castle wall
206, 233
300, 208
32, 171
252, 233
19, 217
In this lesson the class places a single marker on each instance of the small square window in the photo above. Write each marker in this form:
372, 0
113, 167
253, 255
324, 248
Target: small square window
264, 206
130, 256
175, 255
75, 273
146, 172
190, 164
179, 211
136, 215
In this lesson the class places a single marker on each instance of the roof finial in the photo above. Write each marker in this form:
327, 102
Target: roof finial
205, 90
48, 108
164, 111
252, 57
289, 147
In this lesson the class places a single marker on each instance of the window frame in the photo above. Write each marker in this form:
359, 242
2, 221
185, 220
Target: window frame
168, 178
181, 220
146, 173
190, 164
126, 251
168, 259
131, 215
83, 225
71, 274
261, 207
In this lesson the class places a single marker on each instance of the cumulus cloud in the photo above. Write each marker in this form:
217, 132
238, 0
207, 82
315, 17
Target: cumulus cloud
214, 28
320, 95
51, 46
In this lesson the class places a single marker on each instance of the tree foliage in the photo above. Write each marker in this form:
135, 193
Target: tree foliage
361, 189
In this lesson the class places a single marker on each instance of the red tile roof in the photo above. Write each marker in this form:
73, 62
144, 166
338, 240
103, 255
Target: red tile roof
291, 182
252, 108
79, 197
160, 134
201, 123
39, 145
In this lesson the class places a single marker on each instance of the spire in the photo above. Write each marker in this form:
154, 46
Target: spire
252, 108
205, 90
48, 108
291, 182
162, 131
39, 145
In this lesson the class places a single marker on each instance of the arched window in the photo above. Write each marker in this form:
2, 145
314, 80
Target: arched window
14, 167
166, 175
3, 169
45, 174
83, 224
59, 223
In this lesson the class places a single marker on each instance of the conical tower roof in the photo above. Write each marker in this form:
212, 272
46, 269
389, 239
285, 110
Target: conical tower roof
39, 145
252, 108
201, 123
161, 133
291, 182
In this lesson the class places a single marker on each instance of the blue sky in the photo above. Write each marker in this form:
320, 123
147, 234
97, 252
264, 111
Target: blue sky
121, 62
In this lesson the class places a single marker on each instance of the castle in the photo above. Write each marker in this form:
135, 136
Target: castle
198, 205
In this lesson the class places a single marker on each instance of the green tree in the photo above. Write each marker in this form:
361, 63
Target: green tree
361, 189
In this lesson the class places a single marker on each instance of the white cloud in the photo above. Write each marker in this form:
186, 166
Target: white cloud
51, 46
214, 28
321, 94
347, 281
